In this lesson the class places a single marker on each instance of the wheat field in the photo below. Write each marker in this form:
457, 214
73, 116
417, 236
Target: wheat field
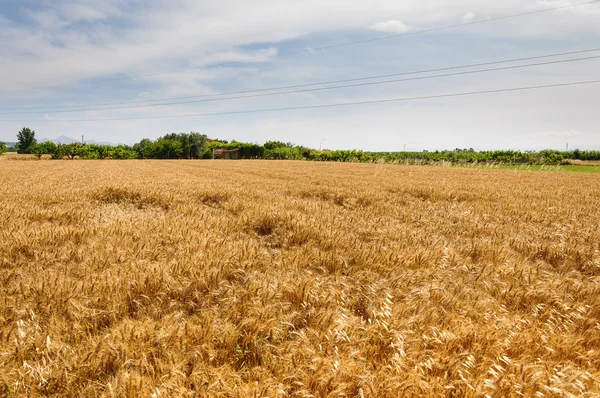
277, 279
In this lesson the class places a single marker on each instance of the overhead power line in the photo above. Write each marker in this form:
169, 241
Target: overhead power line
49, 108
313, 89
342, 104
323, 48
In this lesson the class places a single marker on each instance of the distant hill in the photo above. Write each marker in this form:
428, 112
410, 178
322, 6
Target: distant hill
63, 139
100, 142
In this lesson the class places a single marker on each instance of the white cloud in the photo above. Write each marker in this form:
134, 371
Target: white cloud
469, 17
88, 12
64, 14
392, 26
236, 56
187, 30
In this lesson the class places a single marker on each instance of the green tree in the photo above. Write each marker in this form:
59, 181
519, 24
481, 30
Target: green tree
270, 145
94, 151
165, 148
193, 145
3, 147
37, 150
43, 148
196, 145
143, 148
122, 152
26, 140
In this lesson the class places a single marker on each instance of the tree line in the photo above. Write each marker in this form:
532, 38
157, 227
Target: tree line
171, 146
199, 146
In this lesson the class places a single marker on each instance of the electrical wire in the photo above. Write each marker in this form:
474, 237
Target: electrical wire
313, 89
47, 108
343, 104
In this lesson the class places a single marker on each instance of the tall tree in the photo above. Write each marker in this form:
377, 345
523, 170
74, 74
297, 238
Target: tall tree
197, 145
166, 148
143, 148
193, 144
25, 140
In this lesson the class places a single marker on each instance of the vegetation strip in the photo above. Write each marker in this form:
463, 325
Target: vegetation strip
199, 146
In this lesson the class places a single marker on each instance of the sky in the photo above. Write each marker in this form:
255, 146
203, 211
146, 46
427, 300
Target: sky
59, 55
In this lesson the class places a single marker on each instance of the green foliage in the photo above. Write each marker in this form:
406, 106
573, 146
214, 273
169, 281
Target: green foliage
11, 146
172, 146
68, 150
578, 154
193, 144
551, 157
44, 148
93, 151
281, 150
122, 152
247, 150
165, 148
25, 140
74, 150
283, 153
49, 147
143, 148
270, 145
197, 146
3, 147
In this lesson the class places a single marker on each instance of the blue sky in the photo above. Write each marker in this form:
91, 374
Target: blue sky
76, 44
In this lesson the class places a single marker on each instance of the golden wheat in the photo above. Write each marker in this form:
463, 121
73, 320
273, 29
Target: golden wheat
258, 278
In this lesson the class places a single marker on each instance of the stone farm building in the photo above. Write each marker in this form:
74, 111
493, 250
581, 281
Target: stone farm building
232, 154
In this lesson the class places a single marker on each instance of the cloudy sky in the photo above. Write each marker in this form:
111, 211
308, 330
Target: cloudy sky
59, 55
